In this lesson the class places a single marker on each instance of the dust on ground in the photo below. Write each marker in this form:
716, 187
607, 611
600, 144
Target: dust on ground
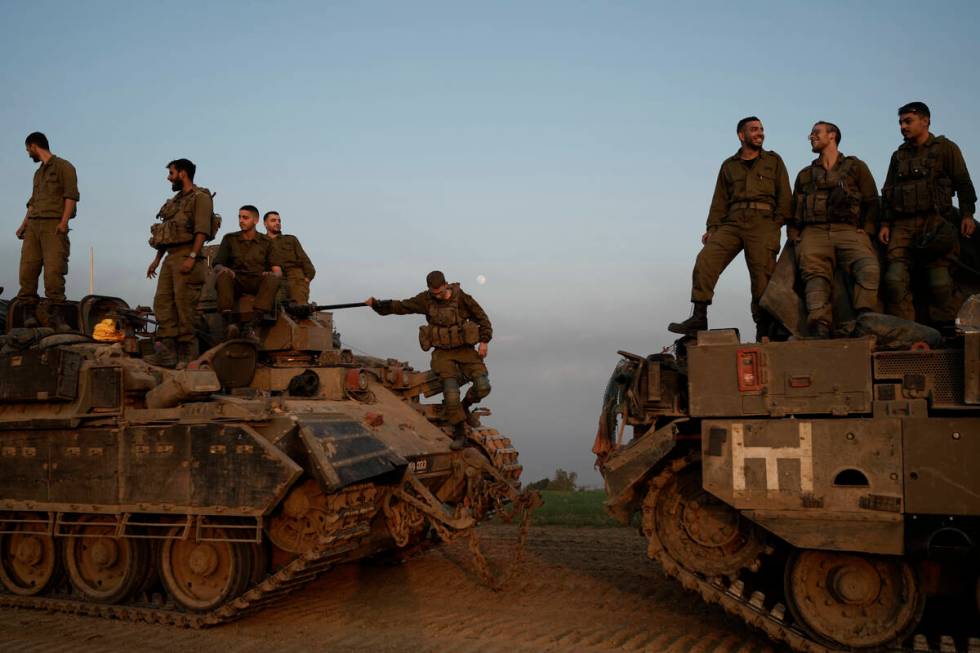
579, 589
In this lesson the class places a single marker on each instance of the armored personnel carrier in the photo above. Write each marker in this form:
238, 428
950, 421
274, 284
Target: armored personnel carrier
193, 496
824, 491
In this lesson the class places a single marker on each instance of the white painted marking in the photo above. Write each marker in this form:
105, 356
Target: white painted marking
772, 455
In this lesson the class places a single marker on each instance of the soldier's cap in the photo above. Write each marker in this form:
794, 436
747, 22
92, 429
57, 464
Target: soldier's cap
915, 107
435, 279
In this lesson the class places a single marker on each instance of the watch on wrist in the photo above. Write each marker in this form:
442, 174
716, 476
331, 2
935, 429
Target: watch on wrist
192, 255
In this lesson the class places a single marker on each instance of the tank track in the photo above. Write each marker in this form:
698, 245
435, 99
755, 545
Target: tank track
289, 578
737, 596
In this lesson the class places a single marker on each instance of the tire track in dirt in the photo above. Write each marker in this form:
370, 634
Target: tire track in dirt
589, 590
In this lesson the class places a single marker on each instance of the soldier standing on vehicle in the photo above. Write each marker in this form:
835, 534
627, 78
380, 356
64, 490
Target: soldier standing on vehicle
45, 226
455, 322
186, 221
923, 174
246, 263
297, 268
835, 211
751, 202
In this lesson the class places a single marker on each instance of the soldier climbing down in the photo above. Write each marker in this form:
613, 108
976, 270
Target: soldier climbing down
455, 322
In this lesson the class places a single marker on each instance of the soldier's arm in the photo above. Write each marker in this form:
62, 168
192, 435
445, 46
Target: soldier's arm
274, 259
479, 316
869, 198
69, 184
784, 196
966, 193
719, 201
417, 304
308, 270
203, 208
223, 258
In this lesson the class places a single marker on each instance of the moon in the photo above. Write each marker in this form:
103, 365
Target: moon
481, 279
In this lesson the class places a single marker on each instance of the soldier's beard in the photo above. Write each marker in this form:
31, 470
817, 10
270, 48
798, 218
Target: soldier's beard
35, 158
176, 186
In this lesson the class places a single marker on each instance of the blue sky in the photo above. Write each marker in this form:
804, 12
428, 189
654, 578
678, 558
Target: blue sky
565, 150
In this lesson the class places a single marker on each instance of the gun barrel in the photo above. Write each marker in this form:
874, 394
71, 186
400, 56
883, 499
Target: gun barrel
333, 307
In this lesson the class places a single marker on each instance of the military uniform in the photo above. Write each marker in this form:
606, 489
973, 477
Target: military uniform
183, 216
834, 213
297, 269
918, 199
249, 259
452, 328
54, 182
750, 203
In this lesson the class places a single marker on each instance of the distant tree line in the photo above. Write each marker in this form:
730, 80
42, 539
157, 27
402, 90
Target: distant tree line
562, 481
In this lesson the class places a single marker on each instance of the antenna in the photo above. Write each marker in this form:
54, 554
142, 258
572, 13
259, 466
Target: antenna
91, 270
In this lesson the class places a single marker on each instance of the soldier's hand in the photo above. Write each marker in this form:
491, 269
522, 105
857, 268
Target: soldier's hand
62, 228
884, 235
705, 237
369, 301
151, 271
482, 349
967, 226
187, 265
21, 230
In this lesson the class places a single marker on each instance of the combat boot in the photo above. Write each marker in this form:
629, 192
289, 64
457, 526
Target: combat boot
165, 354
186, 352
472, 420
820, 331
697, 322
459, 436
230, 328
250, 332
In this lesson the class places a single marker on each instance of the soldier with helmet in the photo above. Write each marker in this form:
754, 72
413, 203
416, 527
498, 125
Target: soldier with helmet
187, 220
835, 210
924, 173
750, 203
455, 322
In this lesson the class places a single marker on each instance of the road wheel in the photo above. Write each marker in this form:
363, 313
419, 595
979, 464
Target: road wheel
102, 567
29, 561
201, 576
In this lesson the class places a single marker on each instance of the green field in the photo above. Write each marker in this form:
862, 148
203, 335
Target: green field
574, 509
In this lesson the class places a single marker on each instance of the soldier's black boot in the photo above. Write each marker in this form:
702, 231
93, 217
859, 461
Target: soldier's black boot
820, 331
186, 352
697, 322
472, 420
231, 329
165, 354
251, 331
459, 436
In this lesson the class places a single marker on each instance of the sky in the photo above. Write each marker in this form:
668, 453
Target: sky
566, 151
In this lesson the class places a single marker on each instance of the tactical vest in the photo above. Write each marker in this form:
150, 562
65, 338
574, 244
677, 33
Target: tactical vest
446, 328
176, 226
921, 184
830, 195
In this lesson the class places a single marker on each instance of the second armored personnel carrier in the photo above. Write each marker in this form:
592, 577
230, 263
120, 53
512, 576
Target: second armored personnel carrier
824, 491
194, 496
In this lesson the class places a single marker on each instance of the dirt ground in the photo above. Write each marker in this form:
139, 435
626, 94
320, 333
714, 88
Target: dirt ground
579, 589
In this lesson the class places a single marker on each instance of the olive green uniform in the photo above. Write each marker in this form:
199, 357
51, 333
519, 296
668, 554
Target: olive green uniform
917, 198
43, 247
452, 328
183, 216
750, 203
835, 213
297, 268
249, 259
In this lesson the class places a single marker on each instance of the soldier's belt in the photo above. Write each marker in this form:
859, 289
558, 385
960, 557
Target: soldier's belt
758, 206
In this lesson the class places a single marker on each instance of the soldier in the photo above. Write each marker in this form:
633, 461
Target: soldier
751, 202
297, 268
45, 226
246, 263
454, 323
923, 174
835, 209
186, 223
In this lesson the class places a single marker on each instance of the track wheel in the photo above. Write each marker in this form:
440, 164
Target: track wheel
201, 576
29, 561
697, 530
102, 567
853, 600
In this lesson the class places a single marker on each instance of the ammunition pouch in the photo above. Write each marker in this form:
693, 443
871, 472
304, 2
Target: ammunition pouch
466, 334
917, 189
169, 233
830, 197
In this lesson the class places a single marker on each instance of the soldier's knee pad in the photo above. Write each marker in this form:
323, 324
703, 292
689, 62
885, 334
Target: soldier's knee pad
817, 293
867, 274
939, 279
896, 282
450, 391
481, 386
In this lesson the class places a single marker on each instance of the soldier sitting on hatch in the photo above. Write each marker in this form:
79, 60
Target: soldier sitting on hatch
246, 263
297, 268
455, 322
